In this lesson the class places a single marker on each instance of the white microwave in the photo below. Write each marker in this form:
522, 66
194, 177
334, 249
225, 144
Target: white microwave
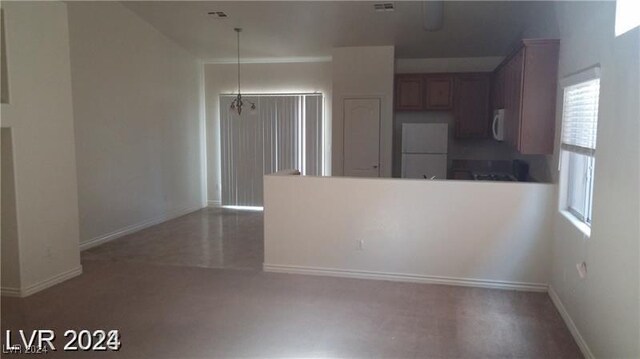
498, 125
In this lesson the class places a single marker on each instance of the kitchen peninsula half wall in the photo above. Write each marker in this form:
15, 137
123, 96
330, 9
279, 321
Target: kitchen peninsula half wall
409, 230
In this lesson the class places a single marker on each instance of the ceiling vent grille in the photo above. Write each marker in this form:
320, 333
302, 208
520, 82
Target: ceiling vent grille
218, 14
383, 6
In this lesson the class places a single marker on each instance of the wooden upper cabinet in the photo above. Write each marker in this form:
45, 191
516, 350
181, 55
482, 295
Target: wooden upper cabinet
439, 92
529, 78
497, 88
539, 85
513, 99
471, 105
418, 92
409, 93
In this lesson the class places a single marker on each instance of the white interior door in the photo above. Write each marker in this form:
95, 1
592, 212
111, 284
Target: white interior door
362, 137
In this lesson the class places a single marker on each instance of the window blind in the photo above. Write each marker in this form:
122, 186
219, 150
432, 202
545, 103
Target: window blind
285, 132
314, 158
580, 117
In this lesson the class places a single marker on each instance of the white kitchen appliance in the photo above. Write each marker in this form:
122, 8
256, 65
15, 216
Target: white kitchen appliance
498, 125
424, 150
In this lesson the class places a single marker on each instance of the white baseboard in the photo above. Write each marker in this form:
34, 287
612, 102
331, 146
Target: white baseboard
570, 324
402, 277
10, 292
215, 203
96, 241
49, 282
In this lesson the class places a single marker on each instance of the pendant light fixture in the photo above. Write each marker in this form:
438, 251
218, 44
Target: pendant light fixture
238, 103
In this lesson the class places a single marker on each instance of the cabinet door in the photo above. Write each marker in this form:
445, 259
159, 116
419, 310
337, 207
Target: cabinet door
538, 109
471, 105
497, 88
513, 99
439, 92
409, 92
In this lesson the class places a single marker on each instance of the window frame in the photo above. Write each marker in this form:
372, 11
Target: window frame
581, 221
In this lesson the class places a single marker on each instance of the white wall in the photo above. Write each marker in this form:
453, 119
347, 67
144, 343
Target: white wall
461, 232
455, 64
604, 308
40, 115
260, 78
363, 72
136, 101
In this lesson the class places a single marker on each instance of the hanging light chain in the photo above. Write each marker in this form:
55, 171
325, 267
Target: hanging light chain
238, 43
237, 103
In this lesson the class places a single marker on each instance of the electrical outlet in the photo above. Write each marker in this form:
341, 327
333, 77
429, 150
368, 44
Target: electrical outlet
360, 244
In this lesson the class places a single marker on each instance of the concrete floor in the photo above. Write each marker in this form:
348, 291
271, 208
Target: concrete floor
192, 288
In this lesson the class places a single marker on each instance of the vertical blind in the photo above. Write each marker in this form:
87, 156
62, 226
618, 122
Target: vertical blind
580, 117
285, 132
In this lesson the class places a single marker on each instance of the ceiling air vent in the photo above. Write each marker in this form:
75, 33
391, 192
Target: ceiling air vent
218, 14
383, 6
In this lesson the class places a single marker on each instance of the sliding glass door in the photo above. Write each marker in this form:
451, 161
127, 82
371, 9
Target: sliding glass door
284, 132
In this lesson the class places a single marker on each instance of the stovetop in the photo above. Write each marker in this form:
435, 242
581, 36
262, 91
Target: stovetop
494, 176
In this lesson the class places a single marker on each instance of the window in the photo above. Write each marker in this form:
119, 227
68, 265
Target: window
627, 15
577, 162
285, 132
580, 188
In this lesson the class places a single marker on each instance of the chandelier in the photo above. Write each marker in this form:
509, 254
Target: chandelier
238, 103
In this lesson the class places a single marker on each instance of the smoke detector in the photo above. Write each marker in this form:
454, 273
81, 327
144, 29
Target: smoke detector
383, 6
218, 14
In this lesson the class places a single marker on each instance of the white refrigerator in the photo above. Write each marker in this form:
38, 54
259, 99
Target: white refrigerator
424, 150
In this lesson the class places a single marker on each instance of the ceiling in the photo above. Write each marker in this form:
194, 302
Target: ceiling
282, 29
